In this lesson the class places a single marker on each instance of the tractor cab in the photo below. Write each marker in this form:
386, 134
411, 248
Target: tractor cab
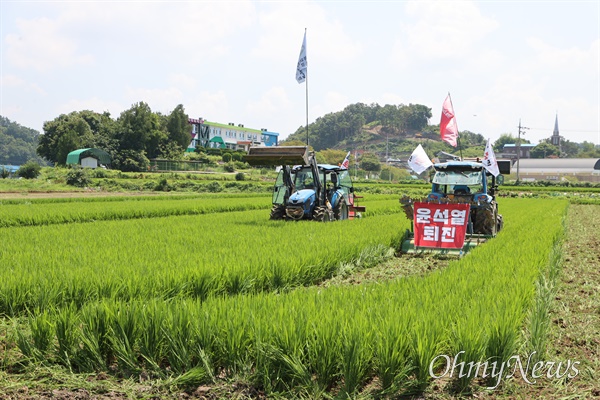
463, 182
304, 189
330, 185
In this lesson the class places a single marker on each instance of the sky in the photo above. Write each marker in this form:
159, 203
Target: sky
235, 61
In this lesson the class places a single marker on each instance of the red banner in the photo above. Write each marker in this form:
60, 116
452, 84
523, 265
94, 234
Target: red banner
441, 226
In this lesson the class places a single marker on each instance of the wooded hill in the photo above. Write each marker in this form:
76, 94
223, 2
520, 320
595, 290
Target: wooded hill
372, 128
396, 130
17, 143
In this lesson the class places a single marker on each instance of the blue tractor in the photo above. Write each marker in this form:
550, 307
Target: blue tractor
304, 189
464, 182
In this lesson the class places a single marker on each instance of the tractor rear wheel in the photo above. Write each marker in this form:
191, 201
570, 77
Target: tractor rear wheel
277, 212
485, 220
321, 214
340, 212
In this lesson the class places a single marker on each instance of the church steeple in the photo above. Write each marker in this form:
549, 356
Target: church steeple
555, 140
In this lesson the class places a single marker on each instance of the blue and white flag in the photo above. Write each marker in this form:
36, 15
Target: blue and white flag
346, 162
301, 69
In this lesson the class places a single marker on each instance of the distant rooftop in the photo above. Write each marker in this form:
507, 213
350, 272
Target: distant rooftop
522, 145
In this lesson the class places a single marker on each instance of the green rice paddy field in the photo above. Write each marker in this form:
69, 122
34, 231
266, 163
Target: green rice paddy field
202, 296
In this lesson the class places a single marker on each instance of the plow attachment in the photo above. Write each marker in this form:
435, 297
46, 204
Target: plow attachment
278, 155
471, 241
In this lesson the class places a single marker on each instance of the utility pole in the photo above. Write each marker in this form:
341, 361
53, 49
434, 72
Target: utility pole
519, 147
387, 145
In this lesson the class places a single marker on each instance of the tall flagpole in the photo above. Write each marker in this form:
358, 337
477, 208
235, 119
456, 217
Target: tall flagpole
306, 96
302, 76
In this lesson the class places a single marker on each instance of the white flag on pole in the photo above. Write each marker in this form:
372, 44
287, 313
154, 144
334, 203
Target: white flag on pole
489, 160
419, 161
346, 162
301, 69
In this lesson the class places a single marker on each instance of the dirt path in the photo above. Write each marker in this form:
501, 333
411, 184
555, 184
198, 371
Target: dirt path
575, 331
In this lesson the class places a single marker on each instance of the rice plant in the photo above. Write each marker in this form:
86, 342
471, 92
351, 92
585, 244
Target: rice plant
340, 336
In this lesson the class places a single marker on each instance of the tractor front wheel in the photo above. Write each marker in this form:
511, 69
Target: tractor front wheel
277, 212
321, 214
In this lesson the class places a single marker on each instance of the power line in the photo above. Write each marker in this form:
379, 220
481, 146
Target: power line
564, 130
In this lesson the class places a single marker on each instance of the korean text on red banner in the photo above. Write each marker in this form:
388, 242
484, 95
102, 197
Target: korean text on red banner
441, 226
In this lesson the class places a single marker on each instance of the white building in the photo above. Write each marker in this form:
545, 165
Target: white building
228, 136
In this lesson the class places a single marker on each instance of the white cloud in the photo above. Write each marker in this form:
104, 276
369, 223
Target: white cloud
40, 44
13, 81
441, 29
282, 28
83, 33
271, 102
93, 104
333, 102
555, 58
159, 100
182, 80
212, 106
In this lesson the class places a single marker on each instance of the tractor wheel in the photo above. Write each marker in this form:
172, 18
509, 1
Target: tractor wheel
340, 212
321, 214
277, 212
500, 223
485, 221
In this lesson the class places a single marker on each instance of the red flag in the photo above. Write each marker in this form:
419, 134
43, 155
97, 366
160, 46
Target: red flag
448, 128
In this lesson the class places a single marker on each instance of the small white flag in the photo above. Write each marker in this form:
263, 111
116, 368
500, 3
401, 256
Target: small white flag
419, 161
489, 160
301, 69
346, 162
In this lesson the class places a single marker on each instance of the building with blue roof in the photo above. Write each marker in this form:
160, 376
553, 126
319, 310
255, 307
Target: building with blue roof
510, 150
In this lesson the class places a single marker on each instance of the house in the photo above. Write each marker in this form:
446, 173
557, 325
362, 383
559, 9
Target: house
510, 150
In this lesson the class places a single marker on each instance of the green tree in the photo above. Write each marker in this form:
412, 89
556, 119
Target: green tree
76, 130
588, 150
417, 117
131, 161
391, 173
178, 128
506, 138
568, 149
389, 117
370, 162
62, 135
104, 130
331, 156
544, 150
140, 130
29, 170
